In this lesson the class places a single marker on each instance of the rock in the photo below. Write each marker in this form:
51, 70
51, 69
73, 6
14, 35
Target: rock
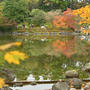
76, 82
43, 27
60, 86
87, 67
87, 87
71, 74
5, 88
8, 75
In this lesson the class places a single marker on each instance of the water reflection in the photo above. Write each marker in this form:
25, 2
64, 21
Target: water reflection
65, 46
48, 58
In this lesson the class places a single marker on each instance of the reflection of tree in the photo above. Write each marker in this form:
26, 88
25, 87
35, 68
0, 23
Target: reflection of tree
66, 46
45, 61
82, 51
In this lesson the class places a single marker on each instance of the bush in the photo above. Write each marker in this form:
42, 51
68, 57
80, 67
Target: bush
37, 17
16, 10
51, 14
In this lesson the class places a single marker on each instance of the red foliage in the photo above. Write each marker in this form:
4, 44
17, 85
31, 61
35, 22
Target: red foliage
66, 47
68, 11
66, 20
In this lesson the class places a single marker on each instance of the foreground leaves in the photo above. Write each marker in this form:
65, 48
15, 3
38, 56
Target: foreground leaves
14, 57
66, 20
1, 82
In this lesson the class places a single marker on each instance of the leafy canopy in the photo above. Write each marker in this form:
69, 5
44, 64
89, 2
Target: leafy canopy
16, 10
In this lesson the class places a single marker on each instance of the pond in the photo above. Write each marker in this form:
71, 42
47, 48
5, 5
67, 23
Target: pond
48, 56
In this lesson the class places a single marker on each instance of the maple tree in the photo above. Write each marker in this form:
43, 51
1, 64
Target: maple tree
67, 20
84, 14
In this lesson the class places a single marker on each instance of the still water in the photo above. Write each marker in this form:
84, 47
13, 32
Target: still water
48, 56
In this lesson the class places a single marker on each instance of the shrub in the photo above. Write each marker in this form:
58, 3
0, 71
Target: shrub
51, 14
66, 20
37, 17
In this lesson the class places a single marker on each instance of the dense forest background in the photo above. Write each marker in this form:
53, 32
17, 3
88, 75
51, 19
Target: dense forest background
35, 11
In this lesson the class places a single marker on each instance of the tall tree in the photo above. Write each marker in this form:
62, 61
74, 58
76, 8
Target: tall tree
32, 3
53, 4
16, 10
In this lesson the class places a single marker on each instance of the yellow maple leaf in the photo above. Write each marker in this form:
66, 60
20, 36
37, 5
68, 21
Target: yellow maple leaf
15, 57
2, 83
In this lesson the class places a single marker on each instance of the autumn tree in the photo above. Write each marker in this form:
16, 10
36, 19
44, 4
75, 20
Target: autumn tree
66, 20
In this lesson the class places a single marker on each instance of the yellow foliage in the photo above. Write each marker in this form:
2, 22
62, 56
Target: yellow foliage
74, 70
2, 83
84, 31
6, 46
17, 43
84, 14
14, 57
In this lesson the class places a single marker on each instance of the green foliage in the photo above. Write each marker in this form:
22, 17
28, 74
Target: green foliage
16, 10
48, 5
51, 14
1, 58
32, 4
1, 8
37, 17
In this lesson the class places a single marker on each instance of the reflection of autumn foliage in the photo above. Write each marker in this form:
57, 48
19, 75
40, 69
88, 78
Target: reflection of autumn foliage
66, 20
66, 47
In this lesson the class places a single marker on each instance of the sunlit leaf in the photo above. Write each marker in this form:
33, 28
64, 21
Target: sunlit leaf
14, 57
1, 82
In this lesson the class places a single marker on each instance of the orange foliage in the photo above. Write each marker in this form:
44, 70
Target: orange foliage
6, 46
66, 20
68, 11
59, 21
66, 47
